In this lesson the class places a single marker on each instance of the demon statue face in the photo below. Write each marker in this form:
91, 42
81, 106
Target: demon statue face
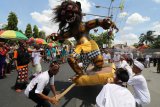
69, 12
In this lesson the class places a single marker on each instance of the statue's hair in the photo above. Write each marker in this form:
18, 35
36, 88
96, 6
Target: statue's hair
59, 16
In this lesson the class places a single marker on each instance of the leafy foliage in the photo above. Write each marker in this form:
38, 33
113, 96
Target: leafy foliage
135, 45
42, 35
12, 22
103, 38
28, 31
156, 44
106, 38
20, 31
147, 38
35, 32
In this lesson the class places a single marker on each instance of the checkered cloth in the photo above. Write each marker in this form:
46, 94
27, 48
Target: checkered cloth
75, 54
87, 58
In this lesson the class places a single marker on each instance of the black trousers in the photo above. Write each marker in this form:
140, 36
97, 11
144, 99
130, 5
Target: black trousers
40, 102
158, 67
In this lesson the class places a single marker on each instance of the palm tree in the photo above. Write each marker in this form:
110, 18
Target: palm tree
147, 38
156, 44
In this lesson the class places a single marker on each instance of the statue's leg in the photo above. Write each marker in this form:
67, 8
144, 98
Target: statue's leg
74, 65
98, 62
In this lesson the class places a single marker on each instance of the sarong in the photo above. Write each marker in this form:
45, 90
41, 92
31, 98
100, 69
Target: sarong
22, 78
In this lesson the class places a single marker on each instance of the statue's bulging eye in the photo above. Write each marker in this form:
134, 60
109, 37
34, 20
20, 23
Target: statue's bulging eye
76, 9
69, 7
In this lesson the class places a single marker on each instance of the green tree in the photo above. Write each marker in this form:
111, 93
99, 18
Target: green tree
20, 31
28, 31
135, 45
35, 32
106, 38
93, 36
147, 38
42, 35
12, 22
97, 39
103, 38
156, 44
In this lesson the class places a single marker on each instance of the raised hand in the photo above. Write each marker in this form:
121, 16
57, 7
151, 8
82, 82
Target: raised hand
108, 24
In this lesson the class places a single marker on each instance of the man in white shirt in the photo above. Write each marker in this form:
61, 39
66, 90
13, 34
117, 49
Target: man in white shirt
141, 92
36, 60
130, 58
126, 66
106, 56
147, 61
116, 60
37, 89
116, 95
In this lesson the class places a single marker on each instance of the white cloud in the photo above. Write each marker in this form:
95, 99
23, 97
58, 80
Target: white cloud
136, 18
19, 22
117, 41
130, 38
127, 28
157, 1
2, 24
54, 3
122, 14
86, 5
44, 17
156, 27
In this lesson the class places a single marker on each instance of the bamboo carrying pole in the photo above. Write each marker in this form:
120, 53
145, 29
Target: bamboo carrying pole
101, 77
59, 96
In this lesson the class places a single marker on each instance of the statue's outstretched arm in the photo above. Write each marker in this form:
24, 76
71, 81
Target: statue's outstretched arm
63, 36
104, 23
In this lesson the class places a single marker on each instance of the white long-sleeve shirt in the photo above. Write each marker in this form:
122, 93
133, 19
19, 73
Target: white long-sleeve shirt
113, 95
141, 92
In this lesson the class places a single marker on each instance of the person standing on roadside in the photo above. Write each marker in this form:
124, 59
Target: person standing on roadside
116, 60
64, 54
158, 64
3, 51
22, 59
106, 56
36, 61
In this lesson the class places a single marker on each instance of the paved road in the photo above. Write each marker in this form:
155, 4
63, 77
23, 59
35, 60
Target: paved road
77, 97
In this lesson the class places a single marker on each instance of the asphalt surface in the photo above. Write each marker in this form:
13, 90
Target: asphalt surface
78, 96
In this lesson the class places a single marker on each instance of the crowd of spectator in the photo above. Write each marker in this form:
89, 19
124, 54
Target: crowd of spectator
18, 56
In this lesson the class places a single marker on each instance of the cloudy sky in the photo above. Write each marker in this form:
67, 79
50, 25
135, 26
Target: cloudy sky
137, 17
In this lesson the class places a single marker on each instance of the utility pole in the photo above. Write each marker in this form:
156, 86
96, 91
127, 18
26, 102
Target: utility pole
110, 15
